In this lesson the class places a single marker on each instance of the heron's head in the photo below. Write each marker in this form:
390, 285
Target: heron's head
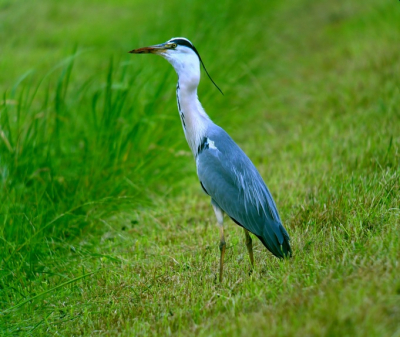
183, 56
179, 51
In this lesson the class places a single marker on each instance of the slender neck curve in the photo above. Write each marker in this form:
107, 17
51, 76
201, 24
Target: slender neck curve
194, 119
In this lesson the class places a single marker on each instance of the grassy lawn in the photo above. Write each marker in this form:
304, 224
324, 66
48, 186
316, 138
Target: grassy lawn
104, 229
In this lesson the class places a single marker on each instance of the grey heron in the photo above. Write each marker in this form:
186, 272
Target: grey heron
226, 174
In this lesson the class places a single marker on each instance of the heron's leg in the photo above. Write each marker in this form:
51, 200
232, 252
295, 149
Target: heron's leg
222, 246
220, 218
249, 245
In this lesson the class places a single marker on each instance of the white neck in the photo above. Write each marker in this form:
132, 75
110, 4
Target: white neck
194, 119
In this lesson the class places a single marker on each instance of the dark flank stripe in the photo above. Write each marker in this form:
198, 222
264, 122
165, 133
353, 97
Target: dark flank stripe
236, 222
203, 145
203, 187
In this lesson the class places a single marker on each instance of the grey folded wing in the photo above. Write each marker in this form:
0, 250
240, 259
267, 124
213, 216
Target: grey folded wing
235, 185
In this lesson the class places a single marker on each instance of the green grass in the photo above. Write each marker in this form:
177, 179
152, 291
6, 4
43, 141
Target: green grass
104, 229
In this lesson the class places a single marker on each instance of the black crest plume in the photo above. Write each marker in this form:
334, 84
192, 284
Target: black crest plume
186, 43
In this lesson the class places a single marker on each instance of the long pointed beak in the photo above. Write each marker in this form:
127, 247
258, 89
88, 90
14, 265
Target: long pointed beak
158, 48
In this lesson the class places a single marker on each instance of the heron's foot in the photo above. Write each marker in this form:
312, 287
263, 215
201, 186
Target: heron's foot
251, 271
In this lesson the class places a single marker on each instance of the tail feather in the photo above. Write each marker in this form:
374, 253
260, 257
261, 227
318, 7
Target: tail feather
276, 240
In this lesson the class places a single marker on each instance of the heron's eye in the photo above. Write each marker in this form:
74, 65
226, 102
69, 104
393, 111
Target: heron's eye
173, 45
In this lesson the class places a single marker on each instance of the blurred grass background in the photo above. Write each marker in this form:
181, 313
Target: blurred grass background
103, 227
